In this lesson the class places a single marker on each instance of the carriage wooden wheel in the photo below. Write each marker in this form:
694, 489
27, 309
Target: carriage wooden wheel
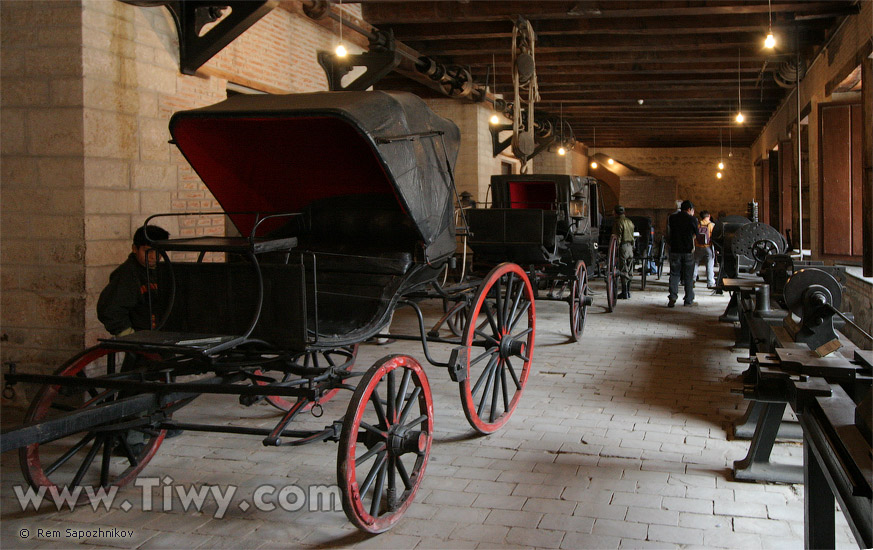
104, 456
499, 337
386, 437
578, 303
612, 276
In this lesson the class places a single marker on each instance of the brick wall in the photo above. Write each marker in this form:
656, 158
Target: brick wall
43, 249
694, 169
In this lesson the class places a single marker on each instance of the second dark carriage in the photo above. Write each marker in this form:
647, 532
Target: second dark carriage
344, 203
547, 223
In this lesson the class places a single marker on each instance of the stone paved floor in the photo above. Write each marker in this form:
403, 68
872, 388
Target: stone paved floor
619, 442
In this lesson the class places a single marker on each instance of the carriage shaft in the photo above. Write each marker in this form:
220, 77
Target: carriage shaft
83, 420
223, 385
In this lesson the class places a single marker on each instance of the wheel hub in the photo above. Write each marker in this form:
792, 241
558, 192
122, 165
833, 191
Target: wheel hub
402, 442
510, 346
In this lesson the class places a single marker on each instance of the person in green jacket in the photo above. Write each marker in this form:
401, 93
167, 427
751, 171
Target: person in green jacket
623, 229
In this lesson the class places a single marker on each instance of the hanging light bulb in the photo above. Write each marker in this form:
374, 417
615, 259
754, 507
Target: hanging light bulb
721, 166
594, 149
740, 118
562, 151
720, 152
718, 175
494, 120
770, 41
610, 161
340, 49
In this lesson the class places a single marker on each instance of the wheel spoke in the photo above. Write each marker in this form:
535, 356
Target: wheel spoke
485, 354
413, 399
69, 454
107, 457
488, 368
512, 314
495, 331
505, 389
511, 370
495, 393
380, 487
418, 420
377, 406
371, 476
392, 418
404, 475
510, 279
498, 304
488, 386
378, 448
489, 339
89, 458
374, 429
520, 315
404, 385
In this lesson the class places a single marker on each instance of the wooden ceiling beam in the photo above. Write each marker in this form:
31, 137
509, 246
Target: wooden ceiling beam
677, 25
381, 12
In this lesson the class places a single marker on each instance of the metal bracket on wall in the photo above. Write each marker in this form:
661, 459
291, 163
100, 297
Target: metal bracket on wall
498, 146
377, 63
191, 16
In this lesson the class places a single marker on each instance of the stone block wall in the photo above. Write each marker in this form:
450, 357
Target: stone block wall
41, 217
475, 164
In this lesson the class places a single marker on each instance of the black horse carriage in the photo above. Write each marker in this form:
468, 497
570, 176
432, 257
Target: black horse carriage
547, 222
344, 201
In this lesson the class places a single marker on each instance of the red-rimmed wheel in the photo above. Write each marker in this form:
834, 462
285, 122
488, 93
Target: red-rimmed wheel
578, 303
101, 457
499, 337
342, 359
386, 437
612, 275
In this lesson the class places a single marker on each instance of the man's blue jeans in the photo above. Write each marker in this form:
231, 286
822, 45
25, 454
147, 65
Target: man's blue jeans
682, 265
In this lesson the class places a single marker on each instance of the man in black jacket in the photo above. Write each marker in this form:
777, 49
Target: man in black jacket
124, 305
681, 231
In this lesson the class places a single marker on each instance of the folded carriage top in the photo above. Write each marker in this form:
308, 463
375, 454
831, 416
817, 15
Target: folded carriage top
268, 153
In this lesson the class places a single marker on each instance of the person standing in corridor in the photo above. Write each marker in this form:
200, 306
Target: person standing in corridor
681, 232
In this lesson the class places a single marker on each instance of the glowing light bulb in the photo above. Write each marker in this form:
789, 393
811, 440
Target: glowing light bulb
721, 166
740, 118
718, 175
610, 161
494, 119
562, 151
341, 51
594, 164
770, 41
